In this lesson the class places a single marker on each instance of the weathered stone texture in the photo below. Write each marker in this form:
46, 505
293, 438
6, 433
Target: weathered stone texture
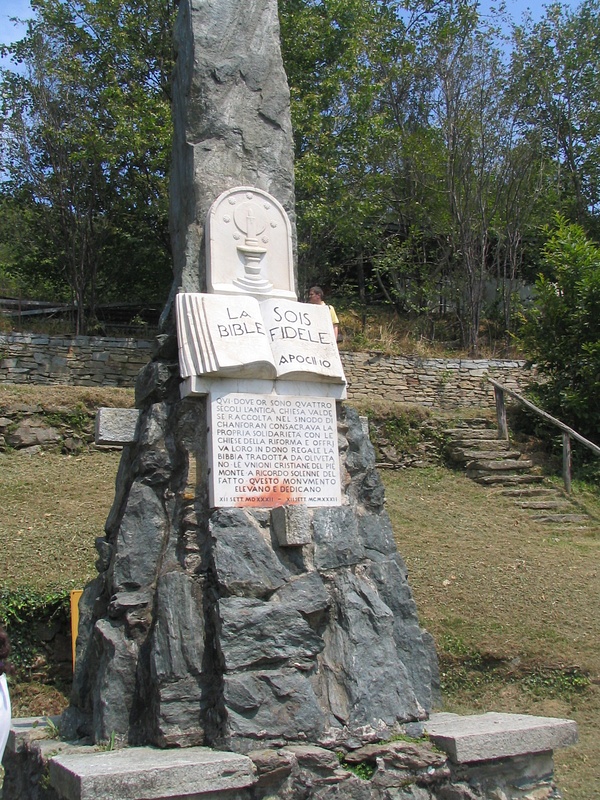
206, 630
232, 120
435, 382
399, 770
72, 360
32, 432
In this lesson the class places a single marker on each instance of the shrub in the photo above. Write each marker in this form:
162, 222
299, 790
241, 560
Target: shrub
561, 332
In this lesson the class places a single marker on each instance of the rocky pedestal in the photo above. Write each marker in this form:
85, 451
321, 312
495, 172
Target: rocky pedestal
236, 627
265, 624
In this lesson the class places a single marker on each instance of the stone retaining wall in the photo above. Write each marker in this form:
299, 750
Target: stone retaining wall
435, 382
72, 360
97, 361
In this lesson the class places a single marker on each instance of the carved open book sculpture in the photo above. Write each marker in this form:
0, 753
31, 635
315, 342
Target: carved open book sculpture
239, 336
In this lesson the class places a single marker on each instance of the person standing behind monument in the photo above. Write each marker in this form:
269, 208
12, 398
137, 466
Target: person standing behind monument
316, 296
5, 710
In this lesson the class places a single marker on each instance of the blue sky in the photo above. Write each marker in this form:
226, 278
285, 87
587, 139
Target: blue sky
12, 8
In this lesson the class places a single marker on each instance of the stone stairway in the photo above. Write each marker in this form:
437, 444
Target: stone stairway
474, 446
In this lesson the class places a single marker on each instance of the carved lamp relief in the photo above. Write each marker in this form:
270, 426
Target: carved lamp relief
249, 245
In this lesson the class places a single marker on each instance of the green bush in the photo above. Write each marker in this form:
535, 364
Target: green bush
22, 610
561, 332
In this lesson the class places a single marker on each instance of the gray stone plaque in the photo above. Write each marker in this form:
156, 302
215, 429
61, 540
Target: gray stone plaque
272, 450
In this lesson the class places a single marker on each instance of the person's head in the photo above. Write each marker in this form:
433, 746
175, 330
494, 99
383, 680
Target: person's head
4, 651
316, 295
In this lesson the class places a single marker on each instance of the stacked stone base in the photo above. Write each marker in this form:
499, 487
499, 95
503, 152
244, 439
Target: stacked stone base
484, 757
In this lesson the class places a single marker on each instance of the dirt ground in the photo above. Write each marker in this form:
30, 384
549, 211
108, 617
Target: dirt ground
514, 606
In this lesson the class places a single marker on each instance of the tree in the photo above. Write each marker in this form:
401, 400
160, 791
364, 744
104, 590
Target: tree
555, 67
469, 70
328, 50
86, 137
562, 331
403, 150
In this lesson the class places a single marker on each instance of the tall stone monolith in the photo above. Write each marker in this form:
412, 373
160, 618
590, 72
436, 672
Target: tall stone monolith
249, 590
232, 125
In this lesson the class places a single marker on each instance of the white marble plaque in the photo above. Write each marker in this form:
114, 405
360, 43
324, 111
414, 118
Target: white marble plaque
269, 450
238, 336
249, 245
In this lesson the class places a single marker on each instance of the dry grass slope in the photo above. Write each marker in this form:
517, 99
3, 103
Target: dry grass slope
514, 606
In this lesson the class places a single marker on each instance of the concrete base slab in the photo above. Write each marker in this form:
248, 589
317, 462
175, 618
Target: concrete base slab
23, 728
116, 426
482, 737
147, 773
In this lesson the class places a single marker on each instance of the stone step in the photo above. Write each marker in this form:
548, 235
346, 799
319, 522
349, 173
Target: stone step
470, 433
459, 455
465, 443
146, 772
559, 519
481, 441
558, 505
507, 480
536, 491
478, 447
503, 465
497, 735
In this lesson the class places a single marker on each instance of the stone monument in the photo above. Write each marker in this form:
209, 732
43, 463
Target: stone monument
251, 613
232, 125
249, 589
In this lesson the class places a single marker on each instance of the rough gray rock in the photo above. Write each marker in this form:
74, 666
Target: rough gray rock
217, 626
361, 672
176, 658
145, 521
232, 120
245, 561
337, 543
205, 630
305, 593
113, 692
32, 433
254, 633
271, 705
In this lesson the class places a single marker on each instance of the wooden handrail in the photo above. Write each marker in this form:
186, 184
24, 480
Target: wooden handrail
568, 433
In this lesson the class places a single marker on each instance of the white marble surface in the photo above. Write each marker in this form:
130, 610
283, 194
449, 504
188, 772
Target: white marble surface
249, 245
268, 451
220, 335
197, 386
227, 336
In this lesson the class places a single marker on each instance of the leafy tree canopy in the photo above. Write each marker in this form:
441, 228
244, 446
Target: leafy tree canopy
86, 132
428, 156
